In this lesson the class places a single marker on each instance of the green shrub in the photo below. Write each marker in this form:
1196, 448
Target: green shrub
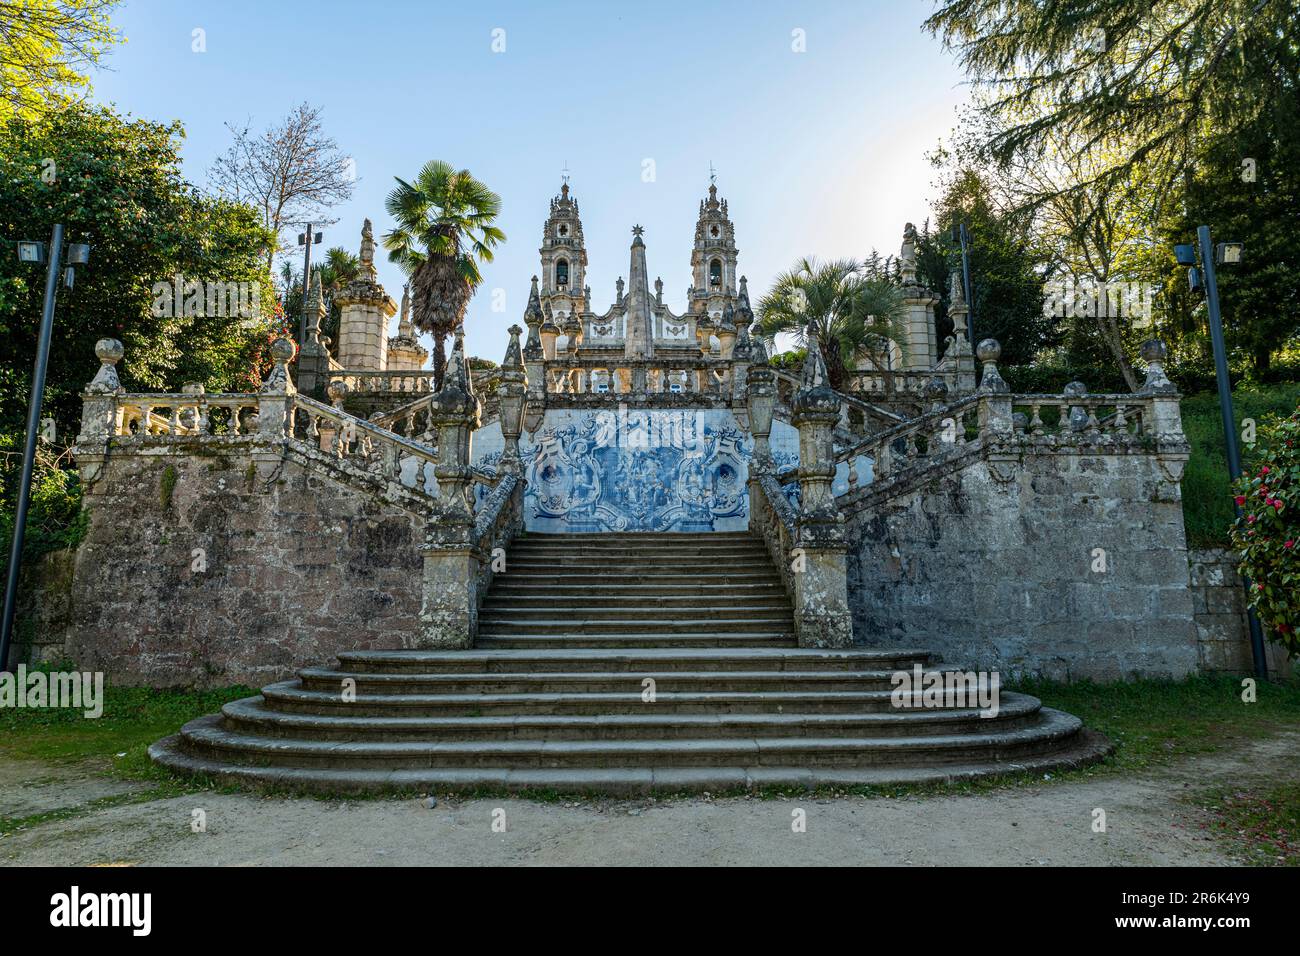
1207, 495
55, 518
1267, 535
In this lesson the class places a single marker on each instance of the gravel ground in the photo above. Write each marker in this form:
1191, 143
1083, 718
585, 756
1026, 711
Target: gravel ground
1149, 821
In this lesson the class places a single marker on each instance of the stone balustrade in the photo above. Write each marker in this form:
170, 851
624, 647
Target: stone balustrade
361, 381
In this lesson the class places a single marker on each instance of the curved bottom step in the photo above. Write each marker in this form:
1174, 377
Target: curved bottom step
1087, 747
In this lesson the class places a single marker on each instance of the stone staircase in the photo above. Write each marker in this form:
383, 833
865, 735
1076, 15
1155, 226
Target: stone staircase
619, 663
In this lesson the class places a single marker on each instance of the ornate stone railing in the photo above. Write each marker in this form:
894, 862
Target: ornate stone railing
361, 381
692, 375
376, 450
183, 415
774, 518
1003, 427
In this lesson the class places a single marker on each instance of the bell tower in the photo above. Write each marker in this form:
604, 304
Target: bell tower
713, 258
564, 256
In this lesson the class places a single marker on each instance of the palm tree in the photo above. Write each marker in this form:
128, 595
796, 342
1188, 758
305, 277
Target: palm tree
850, 310
444, 230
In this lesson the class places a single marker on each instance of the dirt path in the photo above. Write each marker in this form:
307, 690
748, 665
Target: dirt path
1149, 820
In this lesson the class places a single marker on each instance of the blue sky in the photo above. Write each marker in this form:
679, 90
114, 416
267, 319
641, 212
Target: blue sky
819, 152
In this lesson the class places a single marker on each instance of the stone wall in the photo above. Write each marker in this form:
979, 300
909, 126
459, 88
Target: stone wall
1219, 608
999, 575
299, 565
44, 609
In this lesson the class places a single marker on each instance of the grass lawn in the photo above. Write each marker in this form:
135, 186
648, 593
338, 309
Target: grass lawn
1207, 499
133, 718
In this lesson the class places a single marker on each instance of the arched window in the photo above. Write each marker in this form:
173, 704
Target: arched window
715, 272
562, 272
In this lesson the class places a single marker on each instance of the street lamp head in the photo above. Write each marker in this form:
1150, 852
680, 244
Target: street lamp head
31, 252
78, 253
1229, 253
1194, 279
1185, 254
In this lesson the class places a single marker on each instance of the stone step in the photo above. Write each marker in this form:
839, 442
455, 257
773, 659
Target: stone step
582, 623
1087, 748
519, 614
207, 737
597, 566
640, 539
631, 640
706, 605
597, 590
550, 682
718, 579
254, 716
651, 660
291, 697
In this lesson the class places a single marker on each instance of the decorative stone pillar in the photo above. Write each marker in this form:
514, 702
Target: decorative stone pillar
405, 353
760, 402
918, 309
314, 356
512, 393
276, 395
1166, 421
364, 313
822, 617
995, 394
100, 416
534, 363
959, 351
449, 610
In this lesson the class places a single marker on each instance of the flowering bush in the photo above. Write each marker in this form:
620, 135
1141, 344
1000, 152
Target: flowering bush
1267, 535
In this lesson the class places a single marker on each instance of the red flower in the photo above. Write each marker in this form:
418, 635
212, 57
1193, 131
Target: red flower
1288, 544
1250, 519
1241, 500
1263, 471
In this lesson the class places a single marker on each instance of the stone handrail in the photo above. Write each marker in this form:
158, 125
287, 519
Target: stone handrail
941, 430
402, 382
139, 415
773, 516
873, 411
686, 374
362, 443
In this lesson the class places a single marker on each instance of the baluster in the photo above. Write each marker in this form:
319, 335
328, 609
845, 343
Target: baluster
174, 420
1121, 423
1035, 419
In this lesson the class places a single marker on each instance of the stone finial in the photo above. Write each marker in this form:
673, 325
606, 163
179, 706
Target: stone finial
814, 366
456, 398
1154, 352
282, 352
109, 352
514, 358
988, 352
956, 293
907, 255
337, 392
367, 251
405, 327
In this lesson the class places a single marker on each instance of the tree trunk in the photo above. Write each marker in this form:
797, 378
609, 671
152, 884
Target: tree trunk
439, 358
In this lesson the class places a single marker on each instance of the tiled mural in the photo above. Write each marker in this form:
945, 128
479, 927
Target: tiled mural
637, 470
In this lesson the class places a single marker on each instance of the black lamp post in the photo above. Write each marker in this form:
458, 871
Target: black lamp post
1204, 278
306, 240
34, 252
962, 236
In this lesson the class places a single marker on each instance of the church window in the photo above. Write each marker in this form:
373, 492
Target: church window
562, 272
715, 272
